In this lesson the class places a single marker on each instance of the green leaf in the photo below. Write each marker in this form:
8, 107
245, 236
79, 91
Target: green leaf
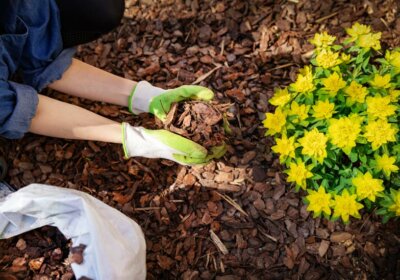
313, 61
304, 123
365, 64
386, 203
359, 59
347, 41
337, 47
328, 163
290, 126
385, 219
318, 72
354, 49
392, 119
336, 167
315, 184
362, 140
363, 79
368, 204
340, 187
382, 61
326, 216
381, 211
334, 218
316, 177
353, 157
325, 183
363, 158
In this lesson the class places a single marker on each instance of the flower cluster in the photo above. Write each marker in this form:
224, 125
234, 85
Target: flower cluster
336, 128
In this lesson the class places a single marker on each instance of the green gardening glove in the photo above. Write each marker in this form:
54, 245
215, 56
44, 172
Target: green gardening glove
151, 99
142, 142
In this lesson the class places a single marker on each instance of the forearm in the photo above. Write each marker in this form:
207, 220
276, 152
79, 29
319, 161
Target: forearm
59, 119
84, 80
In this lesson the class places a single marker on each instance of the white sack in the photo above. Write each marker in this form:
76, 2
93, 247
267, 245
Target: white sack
115, 244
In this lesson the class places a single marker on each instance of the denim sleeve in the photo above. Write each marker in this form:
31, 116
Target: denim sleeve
41, 76
43, 59
18, 105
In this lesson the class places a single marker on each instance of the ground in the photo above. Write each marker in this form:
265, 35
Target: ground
241, 50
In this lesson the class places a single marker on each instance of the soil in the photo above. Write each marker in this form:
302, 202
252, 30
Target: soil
234, 218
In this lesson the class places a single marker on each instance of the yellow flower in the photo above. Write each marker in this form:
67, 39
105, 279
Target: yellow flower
381, 81
364, 38
380, 132
394, 59
281, 97
274, 122
356, 118
343, 132
395, 207
327, 59
306, 71
355, 93
345, 205
298, 173
285, 147
345, 57
333, 84
314, 144
358, 29
370, 40
386, 164
319, 201
304, 82
367, 187
380, 107
394, 95
323, 110
300, 110
322, 40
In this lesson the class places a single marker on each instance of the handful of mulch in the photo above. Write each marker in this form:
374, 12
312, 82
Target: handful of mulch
200, 122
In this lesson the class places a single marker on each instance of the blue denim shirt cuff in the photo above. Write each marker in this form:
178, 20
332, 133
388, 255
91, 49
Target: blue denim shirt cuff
53, 71
25, 109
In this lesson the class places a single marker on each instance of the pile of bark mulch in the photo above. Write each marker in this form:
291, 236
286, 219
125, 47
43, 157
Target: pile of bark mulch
40, 254
234, 218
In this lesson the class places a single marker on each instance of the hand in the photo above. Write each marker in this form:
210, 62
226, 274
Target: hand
138, 141
147, 98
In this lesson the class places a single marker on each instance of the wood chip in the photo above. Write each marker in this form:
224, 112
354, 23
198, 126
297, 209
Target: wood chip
323, 248
206, 75
339, 237
215, 239
233, 203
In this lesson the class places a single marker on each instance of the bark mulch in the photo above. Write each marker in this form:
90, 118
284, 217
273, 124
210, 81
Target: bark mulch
234, 218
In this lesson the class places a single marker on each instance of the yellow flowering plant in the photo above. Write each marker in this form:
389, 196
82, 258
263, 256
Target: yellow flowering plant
336, 128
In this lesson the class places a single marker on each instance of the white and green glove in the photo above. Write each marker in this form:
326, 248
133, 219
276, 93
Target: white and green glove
151, 99
138, 141
142, 142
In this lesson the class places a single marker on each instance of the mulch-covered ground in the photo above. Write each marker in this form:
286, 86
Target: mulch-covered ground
234, 218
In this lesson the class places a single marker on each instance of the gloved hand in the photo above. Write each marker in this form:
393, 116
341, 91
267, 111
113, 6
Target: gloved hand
142, 142
148, 98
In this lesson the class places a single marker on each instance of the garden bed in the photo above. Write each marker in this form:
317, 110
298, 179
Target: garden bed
241, 51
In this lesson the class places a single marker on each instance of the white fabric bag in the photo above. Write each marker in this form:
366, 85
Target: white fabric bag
115, 244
